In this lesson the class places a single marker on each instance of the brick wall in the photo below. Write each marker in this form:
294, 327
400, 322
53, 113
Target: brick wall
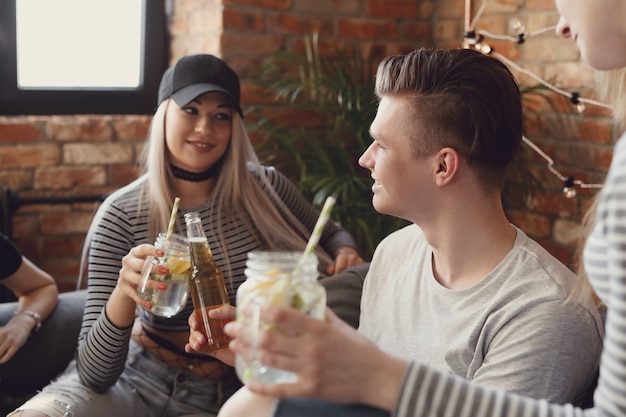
91, 155
64, 157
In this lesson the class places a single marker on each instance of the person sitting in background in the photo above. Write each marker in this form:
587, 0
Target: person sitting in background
461, 289
198, 150
37, 295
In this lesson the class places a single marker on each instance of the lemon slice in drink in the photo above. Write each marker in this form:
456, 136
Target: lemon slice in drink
178, 265
267, 291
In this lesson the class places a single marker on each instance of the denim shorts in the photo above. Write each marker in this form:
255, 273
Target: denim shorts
146, 388
305, 407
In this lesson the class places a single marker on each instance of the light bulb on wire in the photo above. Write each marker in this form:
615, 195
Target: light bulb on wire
520, 30
569, 188
578, 105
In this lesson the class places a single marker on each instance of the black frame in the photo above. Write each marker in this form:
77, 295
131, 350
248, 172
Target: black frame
141, 100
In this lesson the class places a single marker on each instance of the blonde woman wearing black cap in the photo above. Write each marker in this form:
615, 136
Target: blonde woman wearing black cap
198, 150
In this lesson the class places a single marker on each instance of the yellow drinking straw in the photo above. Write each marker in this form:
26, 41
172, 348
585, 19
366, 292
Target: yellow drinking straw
170, 227
317, 231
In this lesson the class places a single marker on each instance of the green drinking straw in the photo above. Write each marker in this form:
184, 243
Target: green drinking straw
170, 227
317, 231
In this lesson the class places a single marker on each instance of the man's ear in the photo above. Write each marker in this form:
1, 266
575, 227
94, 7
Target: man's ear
448, 162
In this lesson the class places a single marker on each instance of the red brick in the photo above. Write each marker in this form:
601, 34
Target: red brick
265, 4
331, 7
98, 153
132, 128
596, 131
416, 31
501, 6
16, 180
79, 128
285, 23
542, 100
235, 19
447, 9
20, 133
66, 245
63, 269
68, 177
405, 9
367, 29
427, 9
539, 5
24, 226
555, 204
29, 156
300, 118
449, 29
255, 94
62, 223
510, 50
533, 224
326, 47
259, 44
122, 175
29, 246
246, 67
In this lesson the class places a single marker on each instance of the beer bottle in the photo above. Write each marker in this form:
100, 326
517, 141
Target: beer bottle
206, 284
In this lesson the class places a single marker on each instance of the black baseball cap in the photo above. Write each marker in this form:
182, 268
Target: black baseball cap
194, 75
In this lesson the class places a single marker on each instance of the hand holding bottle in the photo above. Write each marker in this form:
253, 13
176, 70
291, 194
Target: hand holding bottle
207, 285
198, 342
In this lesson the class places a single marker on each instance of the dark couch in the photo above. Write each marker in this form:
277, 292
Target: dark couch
45, 354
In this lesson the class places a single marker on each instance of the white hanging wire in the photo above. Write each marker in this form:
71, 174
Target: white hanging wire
477, 15
560, 91
554, 170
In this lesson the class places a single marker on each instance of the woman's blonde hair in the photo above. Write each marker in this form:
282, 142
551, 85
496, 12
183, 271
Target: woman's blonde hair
611, 88
583, 287
240, 195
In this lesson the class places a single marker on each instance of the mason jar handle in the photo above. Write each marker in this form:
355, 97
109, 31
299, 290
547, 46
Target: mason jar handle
146, 271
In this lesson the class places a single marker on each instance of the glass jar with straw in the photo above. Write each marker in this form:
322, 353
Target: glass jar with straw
173, 299
286, 279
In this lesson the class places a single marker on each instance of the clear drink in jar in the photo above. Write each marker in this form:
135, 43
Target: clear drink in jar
272, 279
170, 302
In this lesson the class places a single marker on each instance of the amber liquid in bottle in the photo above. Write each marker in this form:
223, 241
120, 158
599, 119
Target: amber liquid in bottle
207, 285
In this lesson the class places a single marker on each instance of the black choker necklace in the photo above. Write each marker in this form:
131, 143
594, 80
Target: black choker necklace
194, 176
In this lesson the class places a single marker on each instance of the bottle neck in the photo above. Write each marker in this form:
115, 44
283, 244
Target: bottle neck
200, 251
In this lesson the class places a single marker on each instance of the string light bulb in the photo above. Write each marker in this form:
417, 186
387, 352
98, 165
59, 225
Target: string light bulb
483, 47
578, 105
569, 189
520, 30
518, 26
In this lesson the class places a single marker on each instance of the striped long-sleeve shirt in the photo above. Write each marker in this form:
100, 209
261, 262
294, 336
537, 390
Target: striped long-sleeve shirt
427, 393
103, 347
